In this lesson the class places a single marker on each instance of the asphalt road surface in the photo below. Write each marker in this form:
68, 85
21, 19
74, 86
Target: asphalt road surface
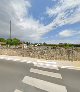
23, 77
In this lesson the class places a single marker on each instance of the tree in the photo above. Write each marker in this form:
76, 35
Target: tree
28, 43
2, 40
44, 44
9, 41
15, 41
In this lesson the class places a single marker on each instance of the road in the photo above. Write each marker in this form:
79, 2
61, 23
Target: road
23, 77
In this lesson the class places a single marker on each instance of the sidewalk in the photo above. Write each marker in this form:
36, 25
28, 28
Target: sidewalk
52, 63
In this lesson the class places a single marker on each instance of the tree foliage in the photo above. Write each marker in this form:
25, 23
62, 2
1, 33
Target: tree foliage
2, 40
13, 41
9, 41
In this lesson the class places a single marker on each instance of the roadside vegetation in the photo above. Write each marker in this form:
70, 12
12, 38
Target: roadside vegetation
10, 42
16, 42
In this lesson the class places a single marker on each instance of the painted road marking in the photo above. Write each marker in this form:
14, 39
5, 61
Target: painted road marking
23, 61
49, 62
44, 85
67, 67
2, 58
16, 59
49, 66
17, 90
9, 58
35, 63
71, 67
29, 61
51, 74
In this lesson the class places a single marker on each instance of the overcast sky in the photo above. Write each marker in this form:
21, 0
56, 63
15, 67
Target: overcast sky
51, 21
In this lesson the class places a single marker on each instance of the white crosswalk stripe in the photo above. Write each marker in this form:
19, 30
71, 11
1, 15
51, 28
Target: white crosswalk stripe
2, 58
17, 90
51, 74
49, 66
44, 85
16, 59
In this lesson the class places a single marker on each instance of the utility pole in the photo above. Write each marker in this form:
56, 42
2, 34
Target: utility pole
10, 29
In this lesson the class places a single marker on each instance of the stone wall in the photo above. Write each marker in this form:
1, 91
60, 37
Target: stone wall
45, 52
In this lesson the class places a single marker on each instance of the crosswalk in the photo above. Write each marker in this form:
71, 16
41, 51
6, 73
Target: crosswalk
17, 90
41, 63
42, 84
49, 66
51, 74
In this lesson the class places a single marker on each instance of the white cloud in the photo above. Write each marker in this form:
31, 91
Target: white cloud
63, 41
66, 12
62, 6
20, 8
68, 33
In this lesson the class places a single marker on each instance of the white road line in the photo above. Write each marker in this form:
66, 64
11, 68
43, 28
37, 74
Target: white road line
44, 85
51, 74
16, 59
17, 90
8, 58
23, 60
49, 62
67, 67
29, 61
1, 57
47, 66
35, 63
71, 67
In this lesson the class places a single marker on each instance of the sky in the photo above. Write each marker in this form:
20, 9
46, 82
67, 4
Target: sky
50, 21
